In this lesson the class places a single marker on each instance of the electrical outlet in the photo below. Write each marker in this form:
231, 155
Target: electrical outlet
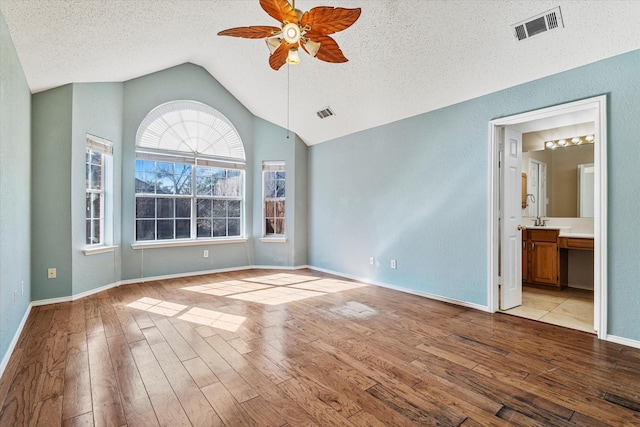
51, 273
394, 264
205, 254
372, 260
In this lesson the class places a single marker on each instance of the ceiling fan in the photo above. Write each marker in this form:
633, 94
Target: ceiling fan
309, 30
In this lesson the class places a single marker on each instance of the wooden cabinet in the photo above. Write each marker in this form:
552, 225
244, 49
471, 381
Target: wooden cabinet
571, 243
541, 252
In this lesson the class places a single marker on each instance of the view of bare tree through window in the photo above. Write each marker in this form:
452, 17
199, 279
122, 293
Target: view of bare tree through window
274, 202
166, 204
95, 197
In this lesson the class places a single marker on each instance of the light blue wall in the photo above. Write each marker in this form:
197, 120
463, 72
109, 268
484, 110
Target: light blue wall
301, 218
272, 144
97, 110
51, 113
15, 185
141, 95
417, 191
262, 141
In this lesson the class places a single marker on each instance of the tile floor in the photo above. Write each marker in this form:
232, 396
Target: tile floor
571, 307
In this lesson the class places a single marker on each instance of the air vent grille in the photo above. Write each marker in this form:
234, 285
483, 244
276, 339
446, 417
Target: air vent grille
323, 114
541, 23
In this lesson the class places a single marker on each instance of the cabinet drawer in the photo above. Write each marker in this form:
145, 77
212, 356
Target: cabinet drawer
576, 243
543, 235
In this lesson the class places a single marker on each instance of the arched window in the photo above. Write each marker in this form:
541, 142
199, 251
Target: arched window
189, 177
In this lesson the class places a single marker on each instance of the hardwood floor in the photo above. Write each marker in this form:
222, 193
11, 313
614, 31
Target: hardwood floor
275, 348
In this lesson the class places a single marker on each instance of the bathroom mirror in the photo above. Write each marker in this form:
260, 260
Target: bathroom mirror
557, 187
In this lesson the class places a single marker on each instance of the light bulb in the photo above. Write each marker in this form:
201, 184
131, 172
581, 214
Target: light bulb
291, 33
549, 144
589, 138
562, 142
292, 57
575, 140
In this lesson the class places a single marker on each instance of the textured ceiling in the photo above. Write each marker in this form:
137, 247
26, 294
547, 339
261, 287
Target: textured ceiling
405, 57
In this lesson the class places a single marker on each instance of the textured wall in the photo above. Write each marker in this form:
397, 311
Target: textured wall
416, 191
262, 141
97, 109
51, 192
15, 183
272, 145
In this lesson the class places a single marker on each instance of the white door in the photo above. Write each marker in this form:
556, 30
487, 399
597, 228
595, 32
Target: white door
511, 242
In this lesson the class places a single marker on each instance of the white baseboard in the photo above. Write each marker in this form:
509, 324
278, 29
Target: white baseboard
5, 360
14, 341
405, 290
624, 341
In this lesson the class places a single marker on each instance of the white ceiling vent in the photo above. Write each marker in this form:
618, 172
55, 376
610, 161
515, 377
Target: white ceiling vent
323, 114
547, 21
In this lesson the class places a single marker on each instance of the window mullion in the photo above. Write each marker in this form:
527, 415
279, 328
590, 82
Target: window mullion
194, 202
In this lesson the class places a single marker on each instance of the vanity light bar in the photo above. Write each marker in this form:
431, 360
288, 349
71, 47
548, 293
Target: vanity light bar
565, 142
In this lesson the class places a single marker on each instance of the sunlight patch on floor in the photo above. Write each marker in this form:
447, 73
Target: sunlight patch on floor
152, 305
274, 289
226, 288
215, 319
201, 316
277, 295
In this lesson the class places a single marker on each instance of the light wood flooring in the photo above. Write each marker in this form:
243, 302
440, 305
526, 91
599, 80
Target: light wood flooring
278, 348
569, 307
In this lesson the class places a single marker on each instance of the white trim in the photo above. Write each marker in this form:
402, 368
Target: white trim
14, 341
273, 239
93, 250
178, 243
57, 300
405, 290
597, 105
624, 341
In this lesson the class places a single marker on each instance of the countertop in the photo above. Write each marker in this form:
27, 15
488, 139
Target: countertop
564, 231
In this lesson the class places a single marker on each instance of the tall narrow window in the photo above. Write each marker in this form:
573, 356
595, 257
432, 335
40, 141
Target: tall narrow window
98, 155
273, 178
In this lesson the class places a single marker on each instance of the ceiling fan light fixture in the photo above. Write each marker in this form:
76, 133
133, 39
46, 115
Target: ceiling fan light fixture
311, 46
291, 33
293, 58
273, 44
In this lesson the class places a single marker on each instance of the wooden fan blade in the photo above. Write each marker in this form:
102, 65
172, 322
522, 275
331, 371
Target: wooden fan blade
329, 50
280, 10
254, 32
279, 56
328, 20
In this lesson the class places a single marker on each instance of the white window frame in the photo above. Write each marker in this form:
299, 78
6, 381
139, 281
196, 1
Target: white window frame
269, 167
104, 147
190, 132
193, 196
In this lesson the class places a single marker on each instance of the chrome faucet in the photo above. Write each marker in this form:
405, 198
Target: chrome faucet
539, 222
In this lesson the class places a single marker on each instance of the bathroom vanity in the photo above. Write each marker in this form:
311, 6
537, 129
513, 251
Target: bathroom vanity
545, 259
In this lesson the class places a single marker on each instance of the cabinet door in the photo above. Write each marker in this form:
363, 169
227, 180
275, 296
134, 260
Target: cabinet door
544, 262
525, 254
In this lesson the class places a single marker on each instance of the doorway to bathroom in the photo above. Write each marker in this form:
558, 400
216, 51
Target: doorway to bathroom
507, 205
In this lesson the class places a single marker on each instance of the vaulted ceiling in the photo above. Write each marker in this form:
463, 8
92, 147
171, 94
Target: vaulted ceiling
405, 57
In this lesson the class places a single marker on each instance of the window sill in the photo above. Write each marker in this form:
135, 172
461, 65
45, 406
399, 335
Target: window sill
273, 240
98, 250
179, 243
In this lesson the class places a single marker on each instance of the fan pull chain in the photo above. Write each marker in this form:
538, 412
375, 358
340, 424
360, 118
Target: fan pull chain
288, 98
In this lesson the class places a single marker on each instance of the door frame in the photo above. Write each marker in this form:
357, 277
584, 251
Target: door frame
596, 109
